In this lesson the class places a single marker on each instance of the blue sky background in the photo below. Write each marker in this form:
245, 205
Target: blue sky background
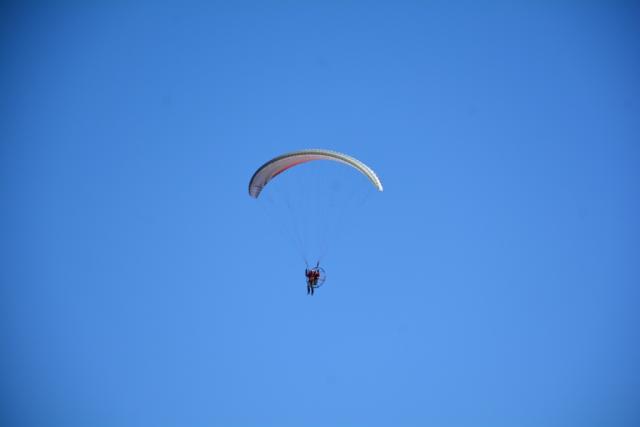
141, 285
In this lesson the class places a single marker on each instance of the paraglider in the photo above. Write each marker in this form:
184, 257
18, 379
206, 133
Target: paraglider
268, 171
315, 278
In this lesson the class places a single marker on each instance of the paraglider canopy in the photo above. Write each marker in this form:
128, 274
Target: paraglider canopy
279, 164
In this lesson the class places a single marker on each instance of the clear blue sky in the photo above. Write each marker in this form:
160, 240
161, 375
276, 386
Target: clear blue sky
142, 286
